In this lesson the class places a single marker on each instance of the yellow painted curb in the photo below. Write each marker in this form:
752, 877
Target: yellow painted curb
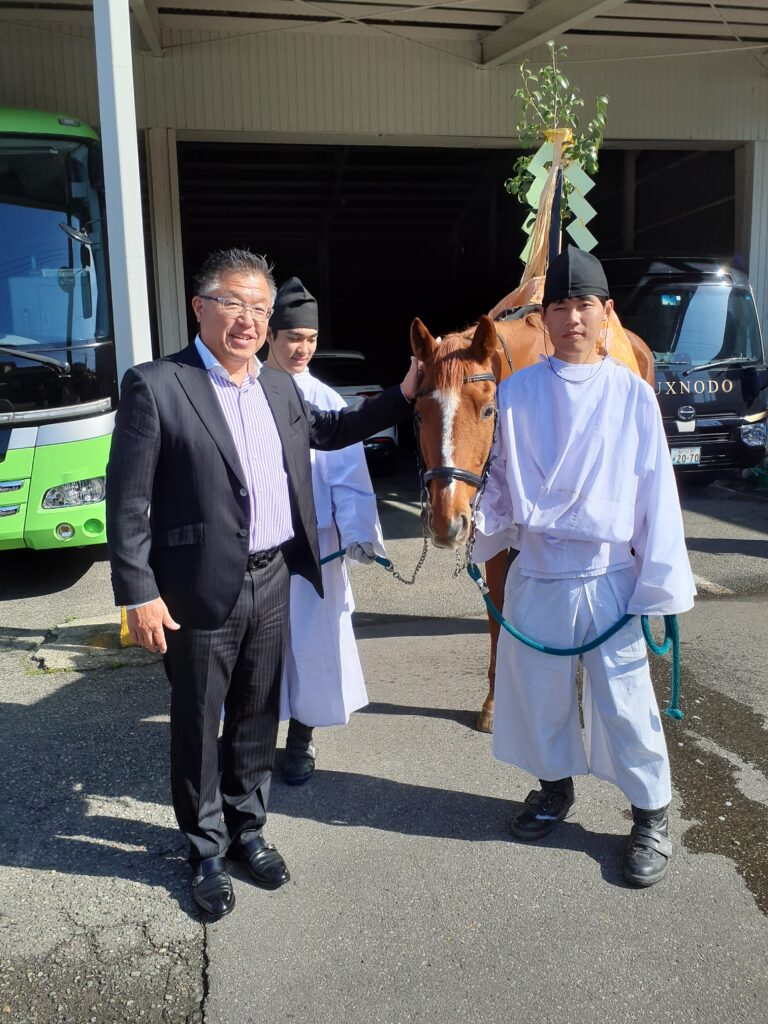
125, 636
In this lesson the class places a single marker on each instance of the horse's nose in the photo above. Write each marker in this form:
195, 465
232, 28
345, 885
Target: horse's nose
458, 529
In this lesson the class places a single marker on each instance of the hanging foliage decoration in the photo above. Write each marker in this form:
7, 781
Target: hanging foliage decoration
551, 103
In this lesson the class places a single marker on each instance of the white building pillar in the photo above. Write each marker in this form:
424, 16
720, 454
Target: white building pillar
165, 217
752, 220
127, 267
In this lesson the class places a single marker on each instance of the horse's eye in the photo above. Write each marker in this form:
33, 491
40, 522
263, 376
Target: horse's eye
487, 412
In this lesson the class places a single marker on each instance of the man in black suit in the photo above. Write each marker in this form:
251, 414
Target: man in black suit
209, 508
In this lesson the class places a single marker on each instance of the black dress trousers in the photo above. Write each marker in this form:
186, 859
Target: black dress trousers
238, 665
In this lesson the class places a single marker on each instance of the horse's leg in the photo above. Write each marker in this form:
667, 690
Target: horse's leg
495, 574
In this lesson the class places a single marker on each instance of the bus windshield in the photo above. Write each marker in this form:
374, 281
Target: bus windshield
56, 348
692, 324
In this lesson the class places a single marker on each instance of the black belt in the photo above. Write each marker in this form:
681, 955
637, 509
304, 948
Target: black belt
261, 559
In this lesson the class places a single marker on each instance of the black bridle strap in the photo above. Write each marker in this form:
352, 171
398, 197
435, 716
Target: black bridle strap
464, 380
506, 352
454, 472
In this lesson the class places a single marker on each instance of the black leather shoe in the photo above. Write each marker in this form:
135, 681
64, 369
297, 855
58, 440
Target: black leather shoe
649, 848
299, 763
543, 809
266, 865
212, 887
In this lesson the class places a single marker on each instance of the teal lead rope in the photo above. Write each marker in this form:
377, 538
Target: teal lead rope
671, 638
671, 631
337, 554
385, 562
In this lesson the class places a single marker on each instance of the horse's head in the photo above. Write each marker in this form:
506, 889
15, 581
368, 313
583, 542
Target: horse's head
455, 411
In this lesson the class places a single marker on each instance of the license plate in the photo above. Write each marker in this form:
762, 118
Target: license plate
686, 456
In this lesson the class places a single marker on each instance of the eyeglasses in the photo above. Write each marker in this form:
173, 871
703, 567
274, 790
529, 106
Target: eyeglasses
236, 308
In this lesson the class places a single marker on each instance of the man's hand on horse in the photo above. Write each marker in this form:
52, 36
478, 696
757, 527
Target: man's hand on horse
361, 551
147, 625
410, 385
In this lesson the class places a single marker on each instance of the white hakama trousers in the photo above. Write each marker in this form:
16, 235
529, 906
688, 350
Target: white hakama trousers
536, 716
322, 678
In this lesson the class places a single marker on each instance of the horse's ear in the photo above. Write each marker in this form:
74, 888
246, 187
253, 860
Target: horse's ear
496, 366
422, 343
484, 341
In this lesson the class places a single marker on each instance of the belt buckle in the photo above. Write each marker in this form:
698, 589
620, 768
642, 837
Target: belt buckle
260, 559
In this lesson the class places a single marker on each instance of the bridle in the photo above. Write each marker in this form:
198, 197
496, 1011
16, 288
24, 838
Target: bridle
478, 481
454, 472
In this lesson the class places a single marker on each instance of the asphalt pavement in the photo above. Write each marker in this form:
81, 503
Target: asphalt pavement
409, 901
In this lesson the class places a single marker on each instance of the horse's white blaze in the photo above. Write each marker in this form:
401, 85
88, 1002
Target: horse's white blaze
449, 403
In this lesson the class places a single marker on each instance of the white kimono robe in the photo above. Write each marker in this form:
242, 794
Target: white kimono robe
582, 484
323, 679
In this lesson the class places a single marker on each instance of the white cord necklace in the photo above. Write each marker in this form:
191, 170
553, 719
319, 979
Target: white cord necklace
571, 380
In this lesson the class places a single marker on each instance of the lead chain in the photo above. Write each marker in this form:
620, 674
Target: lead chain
401, 579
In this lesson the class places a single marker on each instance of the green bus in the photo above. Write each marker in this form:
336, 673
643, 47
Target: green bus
58, 377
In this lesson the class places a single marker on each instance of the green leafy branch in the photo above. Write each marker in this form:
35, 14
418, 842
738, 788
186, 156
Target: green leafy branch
549, 102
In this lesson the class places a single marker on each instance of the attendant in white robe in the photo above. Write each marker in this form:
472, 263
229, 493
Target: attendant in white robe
582, 485
322, 679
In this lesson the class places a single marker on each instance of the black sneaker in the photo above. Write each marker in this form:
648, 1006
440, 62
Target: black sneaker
649, 848
543, 809
299, 763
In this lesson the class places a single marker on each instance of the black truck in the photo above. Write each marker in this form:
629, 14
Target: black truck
698, 317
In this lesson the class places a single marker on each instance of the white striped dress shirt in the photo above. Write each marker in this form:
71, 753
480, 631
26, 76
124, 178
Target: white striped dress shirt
258, 444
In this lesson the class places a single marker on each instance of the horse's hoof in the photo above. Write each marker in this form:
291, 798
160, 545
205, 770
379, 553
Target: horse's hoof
484, 721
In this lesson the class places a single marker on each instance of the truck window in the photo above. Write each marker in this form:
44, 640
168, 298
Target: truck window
692, 324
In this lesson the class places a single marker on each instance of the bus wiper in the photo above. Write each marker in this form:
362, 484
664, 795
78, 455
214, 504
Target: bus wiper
661, 363
59, 368
76, 236
729, 361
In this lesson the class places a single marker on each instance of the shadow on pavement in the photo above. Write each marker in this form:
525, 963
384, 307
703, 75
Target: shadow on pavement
725, 546
346, 799
20, 639
730, 502
85, 786
377, 707
606, 848
382, 626
85, 790
30, 573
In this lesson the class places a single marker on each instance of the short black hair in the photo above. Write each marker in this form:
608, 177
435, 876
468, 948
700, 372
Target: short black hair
233, 261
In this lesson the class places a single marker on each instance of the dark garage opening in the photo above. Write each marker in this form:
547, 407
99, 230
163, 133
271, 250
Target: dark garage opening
379, 235
382, 234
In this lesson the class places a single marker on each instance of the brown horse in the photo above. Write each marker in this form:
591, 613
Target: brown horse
455, 414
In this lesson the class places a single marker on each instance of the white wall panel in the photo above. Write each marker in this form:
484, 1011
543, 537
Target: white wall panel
358, 85
373, 85
49, 67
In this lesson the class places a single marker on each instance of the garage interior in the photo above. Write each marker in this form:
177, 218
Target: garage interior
381, 234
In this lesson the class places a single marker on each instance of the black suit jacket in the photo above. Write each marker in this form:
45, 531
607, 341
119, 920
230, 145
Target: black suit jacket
177, 505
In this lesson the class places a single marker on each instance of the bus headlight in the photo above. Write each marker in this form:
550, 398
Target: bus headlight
79, 492
754, 434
